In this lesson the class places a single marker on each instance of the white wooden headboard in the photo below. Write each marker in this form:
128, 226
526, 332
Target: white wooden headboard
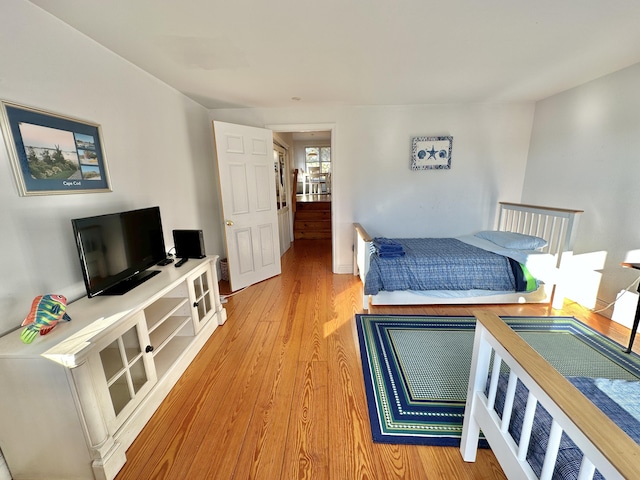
558, 226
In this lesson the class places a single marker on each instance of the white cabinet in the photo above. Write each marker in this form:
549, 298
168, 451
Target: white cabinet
74, 400
200, 285
124, 369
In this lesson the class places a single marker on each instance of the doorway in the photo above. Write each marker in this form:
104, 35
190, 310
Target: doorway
313, 160
315, 195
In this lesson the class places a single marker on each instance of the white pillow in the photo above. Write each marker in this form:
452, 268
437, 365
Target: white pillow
512, 240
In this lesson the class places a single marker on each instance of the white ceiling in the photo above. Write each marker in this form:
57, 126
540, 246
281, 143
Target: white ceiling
259, 53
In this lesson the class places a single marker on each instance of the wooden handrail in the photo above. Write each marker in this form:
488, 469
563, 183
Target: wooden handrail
362, 232
553, 209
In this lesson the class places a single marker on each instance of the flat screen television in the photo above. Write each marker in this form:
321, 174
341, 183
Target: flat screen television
117, 249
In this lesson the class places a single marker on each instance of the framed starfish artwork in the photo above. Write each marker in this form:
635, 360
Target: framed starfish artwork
431, 153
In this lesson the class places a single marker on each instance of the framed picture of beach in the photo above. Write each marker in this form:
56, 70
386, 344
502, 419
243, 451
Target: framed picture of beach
53, 154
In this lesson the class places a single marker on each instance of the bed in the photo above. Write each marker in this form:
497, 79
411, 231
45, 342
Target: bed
573, 440
556, 227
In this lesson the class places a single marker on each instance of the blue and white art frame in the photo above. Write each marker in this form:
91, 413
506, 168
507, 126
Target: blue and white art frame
431, 153
53, 154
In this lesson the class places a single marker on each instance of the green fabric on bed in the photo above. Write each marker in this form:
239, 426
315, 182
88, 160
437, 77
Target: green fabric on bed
532, 284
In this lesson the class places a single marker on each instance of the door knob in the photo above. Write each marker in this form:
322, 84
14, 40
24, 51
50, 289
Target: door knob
229, 223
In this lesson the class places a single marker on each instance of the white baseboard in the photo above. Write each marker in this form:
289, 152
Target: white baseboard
603, 308
624, 310
344, 269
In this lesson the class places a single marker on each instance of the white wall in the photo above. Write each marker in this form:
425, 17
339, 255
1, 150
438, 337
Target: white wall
584, 154
372, 181
158, 143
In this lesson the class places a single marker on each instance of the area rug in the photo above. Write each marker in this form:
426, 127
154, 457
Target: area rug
416, 368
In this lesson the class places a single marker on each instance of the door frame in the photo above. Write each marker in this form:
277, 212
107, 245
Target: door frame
316, 127
282, 148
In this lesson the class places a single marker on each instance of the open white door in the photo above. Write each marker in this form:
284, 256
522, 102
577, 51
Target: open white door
247, 188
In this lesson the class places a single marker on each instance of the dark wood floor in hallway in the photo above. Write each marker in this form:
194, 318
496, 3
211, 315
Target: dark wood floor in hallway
278, 392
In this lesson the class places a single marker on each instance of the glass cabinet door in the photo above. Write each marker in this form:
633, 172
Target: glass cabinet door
204, 305
128, 370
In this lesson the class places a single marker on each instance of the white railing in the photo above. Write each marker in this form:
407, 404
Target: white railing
603, 444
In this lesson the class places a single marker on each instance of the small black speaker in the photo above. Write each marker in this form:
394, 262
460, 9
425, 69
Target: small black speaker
189, 243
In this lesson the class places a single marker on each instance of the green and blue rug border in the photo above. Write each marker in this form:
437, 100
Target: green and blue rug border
375, 344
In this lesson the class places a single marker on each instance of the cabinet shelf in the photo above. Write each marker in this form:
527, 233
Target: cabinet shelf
161, 309
171, 327
166, 358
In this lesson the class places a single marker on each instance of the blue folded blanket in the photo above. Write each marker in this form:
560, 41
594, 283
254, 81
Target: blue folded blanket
390, 254
385, 247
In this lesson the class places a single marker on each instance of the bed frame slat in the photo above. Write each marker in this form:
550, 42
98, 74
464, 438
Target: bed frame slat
551, 455
527, 426
495, 376
508, 402
587, 470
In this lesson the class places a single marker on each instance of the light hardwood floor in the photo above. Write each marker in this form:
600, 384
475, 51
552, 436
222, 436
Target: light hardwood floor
278, 393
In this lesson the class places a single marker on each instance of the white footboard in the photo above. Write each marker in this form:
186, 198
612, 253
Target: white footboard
604, 445
361, 256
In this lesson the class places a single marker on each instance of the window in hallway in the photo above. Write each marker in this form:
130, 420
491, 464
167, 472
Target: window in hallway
318, 157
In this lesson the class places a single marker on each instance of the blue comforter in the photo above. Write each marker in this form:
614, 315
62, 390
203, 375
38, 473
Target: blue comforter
440, 264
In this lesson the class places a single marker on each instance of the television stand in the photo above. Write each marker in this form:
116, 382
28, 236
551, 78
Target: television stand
130, 283
106, 372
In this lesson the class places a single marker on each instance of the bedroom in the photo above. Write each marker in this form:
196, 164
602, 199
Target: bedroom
573, 149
